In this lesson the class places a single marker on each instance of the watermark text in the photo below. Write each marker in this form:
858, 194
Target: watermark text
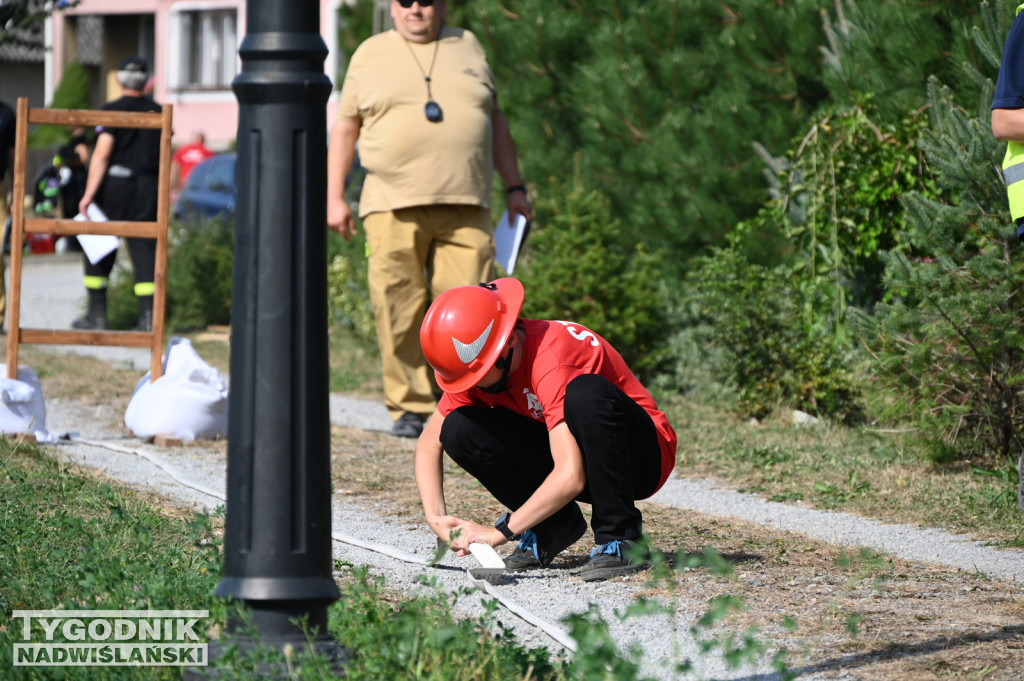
110, 638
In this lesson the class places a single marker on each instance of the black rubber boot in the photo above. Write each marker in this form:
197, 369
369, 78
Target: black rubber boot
145, 314
96, 318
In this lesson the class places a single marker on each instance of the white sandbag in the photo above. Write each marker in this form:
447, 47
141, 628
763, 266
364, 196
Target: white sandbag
22, 407
188, 402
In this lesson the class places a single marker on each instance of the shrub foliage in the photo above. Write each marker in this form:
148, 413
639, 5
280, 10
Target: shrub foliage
754, 316
199, 263
71, 93
949, 349
576, 269
836, 206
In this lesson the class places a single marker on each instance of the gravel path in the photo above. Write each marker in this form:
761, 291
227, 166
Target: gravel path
52, 296
549, 594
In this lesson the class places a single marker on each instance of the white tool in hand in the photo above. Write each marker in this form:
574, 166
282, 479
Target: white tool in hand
492, 567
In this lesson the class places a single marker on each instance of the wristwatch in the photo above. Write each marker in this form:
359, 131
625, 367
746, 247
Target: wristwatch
502, 526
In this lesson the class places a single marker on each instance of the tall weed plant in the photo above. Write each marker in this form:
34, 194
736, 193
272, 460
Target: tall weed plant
422, 638
754, 316
835, 207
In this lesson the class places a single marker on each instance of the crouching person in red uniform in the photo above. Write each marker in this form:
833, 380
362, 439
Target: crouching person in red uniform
544, 414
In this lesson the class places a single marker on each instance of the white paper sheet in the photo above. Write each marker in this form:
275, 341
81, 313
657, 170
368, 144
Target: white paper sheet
96, 246
508, 240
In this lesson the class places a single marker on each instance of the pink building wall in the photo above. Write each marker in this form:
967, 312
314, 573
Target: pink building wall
213, 112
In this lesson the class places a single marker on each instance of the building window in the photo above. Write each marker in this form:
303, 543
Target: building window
382, 16
209, 47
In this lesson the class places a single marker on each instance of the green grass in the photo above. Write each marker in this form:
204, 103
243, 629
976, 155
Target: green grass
76, 542
355, 364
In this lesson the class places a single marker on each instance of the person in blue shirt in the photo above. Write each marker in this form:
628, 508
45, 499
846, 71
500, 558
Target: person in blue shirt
1008, 118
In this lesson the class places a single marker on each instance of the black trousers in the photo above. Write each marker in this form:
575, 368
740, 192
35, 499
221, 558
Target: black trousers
143, 254
510, 455
128, 199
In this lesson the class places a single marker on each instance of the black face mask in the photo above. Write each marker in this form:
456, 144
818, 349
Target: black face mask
501, 385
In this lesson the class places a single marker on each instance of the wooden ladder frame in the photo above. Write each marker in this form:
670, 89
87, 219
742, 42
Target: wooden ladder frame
20, 225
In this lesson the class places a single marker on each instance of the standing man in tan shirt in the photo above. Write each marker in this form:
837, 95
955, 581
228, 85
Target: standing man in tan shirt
421, 101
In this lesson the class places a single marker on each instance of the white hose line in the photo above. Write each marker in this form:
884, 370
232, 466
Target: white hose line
155, 461
555, 632
560, 635
387, 550
343, 538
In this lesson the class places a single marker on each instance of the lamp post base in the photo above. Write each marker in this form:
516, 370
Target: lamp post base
264, 658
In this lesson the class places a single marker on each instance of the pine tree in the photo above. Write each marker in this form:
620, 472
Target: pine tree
884, 52
659, 99
949, 349
663, 99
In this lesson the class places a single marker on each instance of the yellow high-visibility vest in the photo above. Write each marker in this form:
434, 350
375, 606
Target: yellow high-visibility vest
1013, 172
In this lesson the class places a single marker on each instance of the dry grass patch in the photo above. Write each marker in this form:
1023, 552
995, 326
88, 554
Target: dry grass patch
911, 620
863, 471
858, 612
85, 379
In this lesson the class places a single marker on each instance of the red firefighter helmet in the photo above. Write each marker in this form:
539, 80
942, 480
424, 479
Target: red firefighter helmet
465, 330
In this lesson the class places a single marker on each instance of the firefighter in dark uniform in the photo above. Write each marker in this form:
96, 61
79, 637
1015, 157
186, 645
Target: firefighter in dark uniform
122, 182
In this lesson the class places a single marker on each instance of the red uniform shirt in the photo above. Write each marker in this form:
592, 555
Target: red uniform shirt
189, 156
554, 353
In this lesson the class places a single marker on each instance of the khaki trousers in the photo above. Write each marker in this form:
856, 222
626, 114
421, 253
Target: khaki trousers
414, 255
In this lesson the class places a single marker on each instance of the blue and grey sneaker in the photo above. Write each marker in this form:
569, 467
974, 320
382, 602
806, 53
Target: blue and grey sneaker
615, 559
533, 552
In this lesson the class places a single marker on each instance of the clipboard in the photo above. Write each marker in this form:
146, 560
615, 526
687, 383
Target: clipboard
509, 239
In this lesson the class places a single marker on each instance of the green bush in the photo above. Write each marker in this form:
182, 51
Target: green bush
348, 297
71, 93
695, 366
199, 273
73, 90
753, 315
573, 268
836, 206
199, 277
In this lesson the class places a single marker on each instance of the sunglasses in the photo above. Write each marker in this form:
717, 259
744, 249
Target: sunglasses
408, 3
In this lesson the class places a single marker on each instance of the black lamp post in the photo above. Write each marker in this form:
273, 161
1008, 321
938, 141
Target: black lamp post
277, 547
